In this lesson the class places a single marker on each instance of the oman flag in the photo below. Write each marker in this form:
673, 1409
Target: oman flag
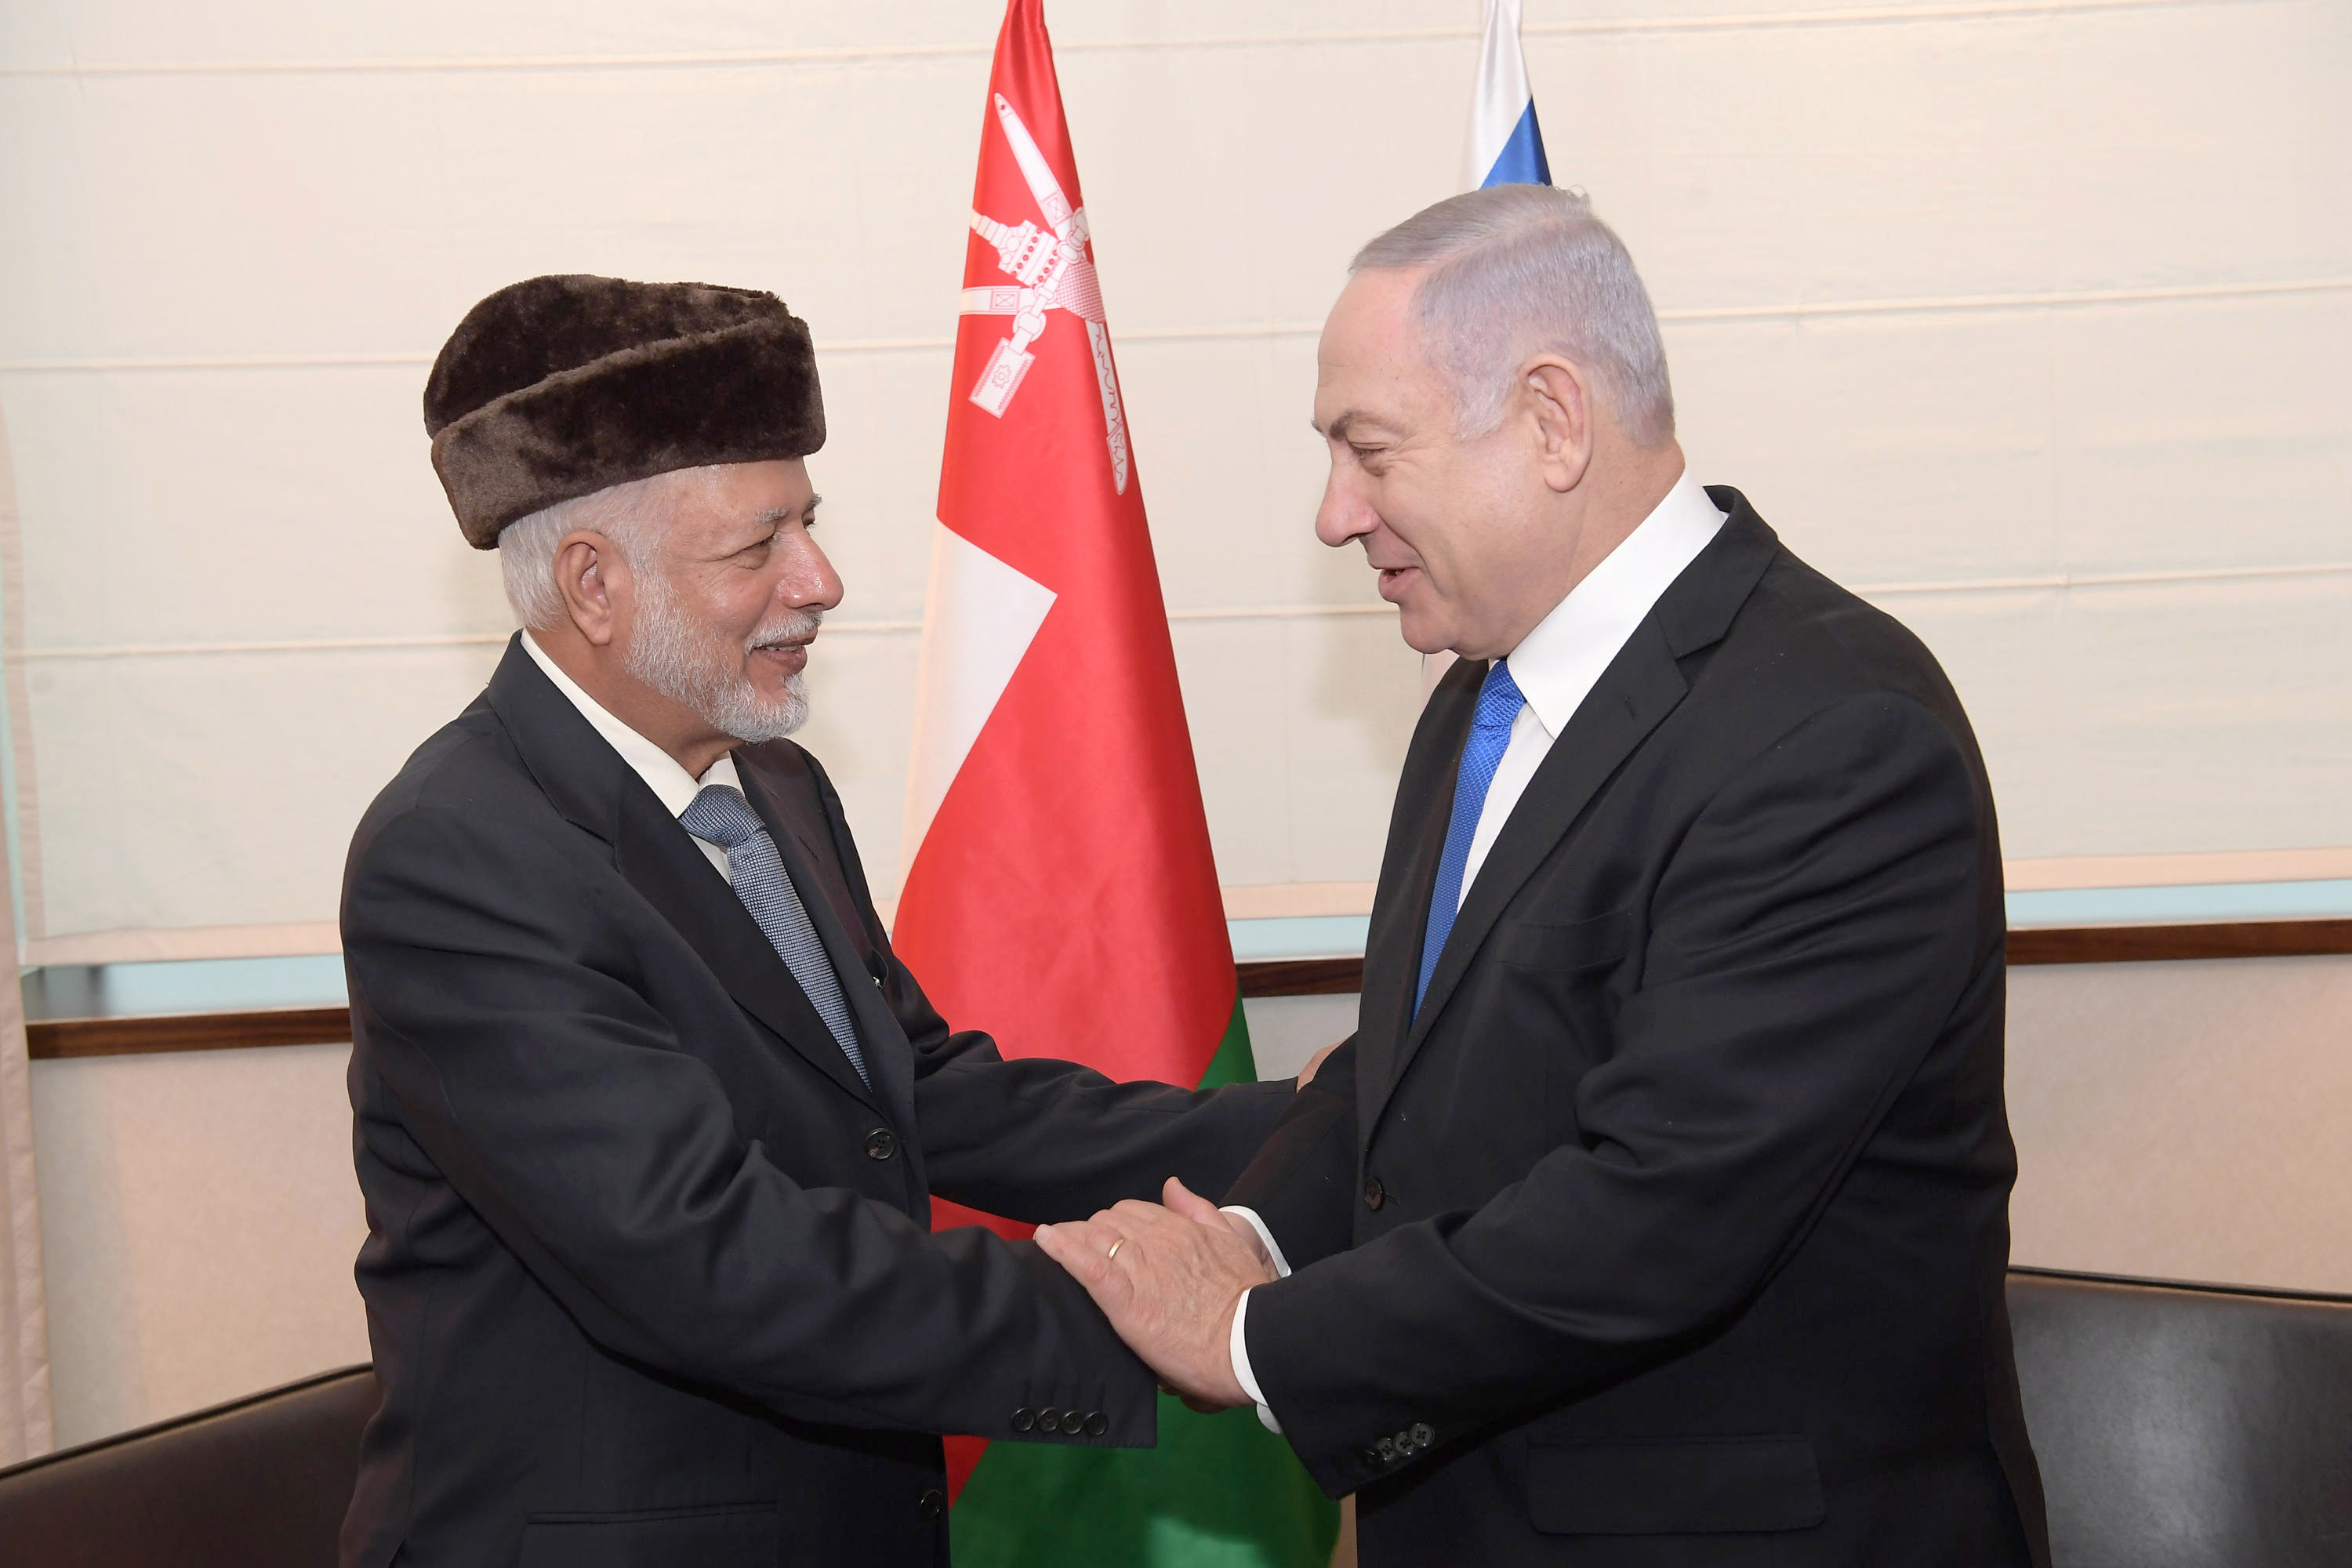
1061, 892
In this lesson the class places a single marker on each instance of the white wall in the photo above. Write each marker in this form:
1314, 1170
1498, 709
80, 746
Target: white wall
199, 1221
2026, 316
2185, 1120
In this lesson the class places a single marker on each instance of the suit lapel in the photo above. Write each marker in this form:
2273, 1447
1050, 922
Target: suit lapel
1640, 687
888, 1056
660, 862
587, 780
1408, 874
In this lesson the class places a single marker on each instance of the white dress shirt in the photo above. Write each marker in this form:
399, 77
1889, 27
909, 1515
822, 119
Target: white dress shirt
672, 785
1555, 666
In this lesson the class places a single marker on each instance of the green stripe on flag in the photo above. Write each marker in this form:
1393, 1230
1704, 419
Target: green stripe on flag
1234, 1061
1220, 1491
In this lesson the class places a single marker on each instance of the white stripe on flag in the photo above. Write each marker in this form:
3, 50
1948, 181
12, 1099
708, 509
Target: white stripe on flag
979, 619
1502, 110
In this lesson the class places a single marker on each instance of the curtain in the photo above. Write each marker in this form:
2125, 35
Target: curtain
24, 1332
24, 1327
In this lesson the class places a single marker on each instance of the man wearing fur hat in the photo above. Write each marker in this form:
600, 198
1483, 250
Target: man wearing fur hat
648, 1115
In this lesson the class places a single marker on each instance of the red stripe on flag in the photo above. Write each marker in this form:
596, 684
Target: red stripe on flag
1063, 896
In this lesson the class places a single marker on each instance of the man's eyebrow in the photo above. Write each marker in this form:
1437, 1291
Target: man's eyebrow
1343, 427
784, 514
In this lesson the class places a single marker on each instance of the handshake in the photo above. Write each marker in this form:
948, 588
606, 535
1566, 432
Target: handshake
1170, 1275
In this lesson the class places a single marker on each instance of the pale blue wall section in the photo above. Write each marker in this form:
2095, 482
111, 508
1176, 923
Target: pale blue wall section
230, 984
2182, 905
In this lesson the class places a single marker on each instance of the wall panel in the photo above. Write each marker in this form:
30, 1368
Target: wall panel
1993, 299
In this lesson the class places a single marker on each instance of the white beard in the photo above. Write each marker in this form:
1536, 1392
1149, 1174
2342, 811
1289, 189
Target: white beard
678, 657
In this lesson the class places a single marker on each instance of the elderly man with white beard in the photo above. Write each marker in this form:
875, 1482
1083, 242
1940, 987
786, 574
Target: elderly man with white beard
648, 1115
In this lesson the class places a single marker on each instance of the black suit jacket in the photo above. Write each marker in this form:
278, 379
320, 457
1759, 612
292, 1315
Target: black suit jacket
1671, 1229
649, 1276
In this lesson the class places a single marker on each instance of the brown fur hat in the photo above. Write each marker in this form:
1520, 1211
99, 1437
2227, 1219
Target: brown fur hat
557, 387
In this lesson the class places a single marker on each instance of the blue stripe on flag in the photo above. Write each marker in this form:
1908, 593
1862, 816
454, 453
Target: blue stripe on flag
1521, 161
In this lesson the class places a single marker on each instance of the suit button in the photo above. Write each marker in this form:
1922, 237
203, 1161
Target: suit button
1049, 1420
1422, 1436
1097, 1423
1374, 1194
1023, 1418
931, 1504
1368, 1458
1387, 1449
881, 1143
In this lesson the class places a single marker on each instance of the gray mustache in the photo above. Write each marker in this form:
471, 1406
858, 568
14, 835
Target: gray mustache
791, 627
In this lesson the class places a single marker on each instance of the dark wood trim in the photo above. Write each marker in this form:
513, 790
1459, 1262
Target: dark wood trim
2028, 945
1303, 977
2147, 945
56, 1039
52, 1039
2201, 1287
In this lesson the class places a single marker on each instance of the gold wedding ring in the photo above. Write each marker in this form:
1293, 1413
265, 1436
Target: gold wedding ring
1114, 1250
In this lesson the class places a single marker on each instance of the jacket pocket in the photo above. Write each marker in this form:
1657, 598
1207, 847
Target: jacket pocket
1674, 1485
1564, 947
728, 1535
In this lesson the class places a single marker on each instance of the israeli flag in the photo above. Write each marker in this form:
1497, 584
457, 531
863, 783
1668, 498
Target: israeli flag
1505, 147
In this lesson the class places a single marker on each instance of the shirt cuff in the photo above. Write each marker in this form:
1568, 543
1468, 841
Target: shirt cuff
1238, 1348
1273, 1248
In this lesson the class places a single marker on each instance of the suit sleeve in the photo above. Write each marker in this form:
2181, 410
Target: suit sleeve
1043, 1140
554, 1100
1302, 1182
1809, 939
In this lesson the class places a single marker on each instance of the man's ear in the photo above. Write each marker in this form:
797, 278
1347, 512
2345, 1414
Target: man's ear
1560, 399
585, 566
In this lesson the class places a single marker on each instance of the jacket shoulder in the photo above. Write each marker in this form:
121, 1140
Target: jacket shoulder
1829, 641
469, 767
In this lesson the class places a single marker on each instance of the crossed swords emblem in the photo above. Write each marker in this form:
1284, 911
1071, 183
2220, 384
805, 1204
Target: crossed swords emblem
1050, 267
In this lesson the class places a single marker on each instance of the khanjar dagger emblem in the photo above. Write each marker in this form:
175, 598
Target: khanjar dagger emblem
1054, 273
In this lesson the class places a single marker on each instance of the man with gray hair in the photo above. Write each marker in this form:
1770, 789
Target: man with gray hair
1657, 1210
648, 1114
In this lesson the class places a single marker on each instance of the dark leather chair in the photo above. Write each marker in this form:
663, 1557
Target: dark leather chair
2187, 1425
259, 1483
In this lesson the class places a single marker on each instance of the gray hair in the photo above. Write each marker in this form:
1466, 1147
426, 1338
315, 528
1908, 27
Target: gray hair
1518, 270
631, 515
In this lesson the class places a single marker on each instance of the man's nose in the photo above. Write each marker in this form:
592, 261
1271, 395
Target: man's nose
811, 584
1344, 514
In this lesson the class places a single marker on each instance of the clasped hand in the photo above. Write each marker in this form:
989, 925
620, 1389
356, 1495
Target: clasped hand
1168, 1279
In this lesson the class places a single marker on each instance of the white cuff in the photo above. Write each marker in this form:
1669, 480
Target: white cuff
1238, 1348
1273, 1248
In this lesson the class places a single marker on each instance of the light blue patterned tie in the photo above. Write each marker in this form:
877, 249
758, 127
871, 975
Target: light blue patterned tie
1490, 735
721, 815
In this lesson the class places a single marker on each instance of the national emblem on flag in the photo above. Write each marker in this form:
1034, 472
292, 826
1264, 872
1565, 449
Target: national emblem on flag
1060, 891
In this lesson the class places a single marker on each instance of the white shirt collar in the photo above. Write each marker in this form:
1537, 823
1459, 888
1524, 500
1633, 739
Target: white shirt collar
672, 785
1556, 665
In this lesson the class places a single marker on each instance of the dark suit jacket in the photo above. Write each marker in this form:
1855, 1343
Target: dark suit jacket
649, 1277
1671, 1229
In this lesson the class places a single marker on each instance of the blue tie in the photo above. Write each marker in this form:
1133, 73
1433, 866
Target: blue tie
721, 815
1490, 735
